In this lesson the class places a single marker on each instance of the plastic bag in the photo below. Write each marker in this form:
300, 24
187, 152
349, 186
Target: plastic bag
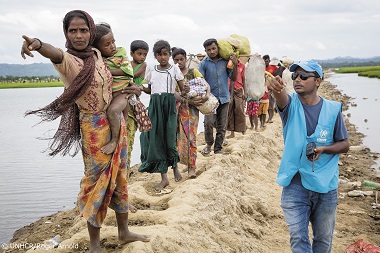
287, 77
255, 77
362, 247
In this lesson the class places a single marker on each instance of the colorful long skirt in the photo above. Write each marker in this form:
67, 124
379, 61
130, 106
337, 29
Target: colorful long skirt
104, 183
188, 118
158, 145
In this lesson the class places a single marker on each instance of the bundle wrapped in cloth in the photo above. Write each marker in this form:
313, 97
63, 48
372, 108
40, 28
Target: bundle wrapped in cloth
198, 87
245, 47
234, 44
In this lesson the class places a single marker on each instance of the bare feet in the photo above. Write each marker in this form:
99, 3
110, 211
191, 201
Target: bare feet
177, 174
132, 208
230, 136
132, 237
192, 173
164, 182
109, 148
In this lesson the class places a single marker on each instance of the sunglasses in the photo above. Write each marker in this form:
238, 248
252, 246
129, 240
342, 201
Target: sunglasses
303, 75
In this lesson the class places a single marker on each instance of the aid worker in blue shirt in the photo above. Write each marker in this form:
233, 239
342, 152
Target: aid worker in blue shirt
310, 182
214, 70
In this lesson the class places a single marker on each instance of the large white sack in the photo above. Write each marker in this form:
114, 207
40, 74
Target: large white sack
287, 77
255, 77
192, 62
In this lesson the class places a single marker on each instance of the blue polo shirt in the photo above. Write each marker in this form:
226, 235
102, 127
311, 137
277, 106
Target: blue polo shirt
216, 75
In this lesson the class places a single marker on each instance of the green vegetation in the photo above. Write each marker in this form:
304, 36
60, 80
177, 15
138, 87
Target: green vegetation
10, 85
368, 71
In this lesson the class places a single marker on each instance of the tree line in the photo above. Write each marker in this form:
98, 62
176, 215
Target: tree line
28, 79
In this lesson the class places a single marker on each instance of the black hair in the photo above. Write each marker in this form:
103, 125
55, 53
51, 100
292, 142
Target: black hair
176, 51
101, 30
209, 42
73, 14
159, 45
265, 57
139, 44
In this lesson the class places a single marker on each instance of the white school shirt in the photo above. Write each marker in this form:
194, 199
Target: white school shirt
163, 81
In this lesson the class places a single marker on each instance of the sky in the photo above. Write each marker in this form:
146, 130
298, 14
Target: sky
300, 30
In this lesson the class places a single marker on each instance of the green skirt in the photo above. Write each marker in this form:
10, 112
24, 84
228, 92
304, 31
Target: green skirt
158, 146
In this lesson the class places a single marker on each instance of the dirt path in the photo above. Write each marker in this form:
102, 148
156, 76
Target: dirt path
232, 206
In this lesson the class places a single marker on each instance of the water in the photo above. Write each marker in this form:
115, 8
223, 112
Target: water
33, 185
366, 95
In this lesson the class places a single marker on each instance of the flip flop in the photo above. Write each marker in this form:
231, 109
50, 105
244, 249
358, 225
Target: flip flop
206, 151
164, 191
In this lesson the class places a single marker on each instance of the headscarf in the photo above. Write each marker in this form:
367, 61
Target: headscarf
68, 133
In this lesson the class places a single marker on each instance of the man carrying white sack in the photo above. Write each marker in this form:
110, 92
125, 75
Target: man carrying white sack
314, 136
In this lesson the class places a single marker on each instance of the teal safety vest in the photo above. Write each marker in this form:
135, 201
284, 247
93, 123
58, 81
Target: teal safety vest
326, 171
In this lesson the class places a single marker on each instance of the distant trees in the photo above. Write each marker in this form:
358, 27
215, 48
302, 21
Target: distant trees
327, 65
28, 79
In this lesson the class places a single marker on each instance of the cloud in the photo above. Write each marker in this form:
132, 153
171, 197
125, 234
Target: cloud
298, 29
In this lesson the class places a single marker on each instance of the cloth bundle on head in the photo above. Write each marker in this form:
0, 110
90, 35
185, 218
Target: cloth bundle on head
245, 48
68, 133
286, 61
275, 62
234, 44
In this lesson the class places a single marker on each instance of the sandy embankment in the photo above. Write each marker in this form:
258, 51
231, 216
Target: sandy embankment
232, 206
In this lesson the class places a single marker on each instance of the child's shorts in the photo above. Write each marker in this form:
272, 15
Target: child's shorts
252, 108
263, 108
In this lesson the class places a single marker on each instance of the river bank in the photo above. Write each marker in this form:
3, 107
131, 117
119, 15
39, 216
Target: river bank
232, 206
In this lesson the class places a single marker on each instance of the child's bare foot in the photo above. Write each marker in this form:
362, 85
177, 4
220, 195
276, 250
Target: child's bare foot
132, 208
177, 174
109, 148
231, 136
161, 185
192, 173
132, 237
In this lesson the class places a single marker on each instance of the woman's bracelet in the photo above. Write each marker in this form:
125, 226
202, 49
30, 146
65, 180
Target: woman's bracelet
40, 44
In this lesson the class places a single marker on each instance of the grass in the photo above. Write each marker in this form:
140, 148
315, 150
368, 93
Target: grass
368, 71
4, 85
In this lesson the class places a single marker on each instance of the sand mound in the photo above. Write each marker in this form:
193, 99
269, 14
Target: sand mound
232, 206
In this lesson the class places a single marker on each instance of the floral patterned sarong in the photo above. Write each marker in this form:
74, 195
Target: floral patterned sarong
104, 183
